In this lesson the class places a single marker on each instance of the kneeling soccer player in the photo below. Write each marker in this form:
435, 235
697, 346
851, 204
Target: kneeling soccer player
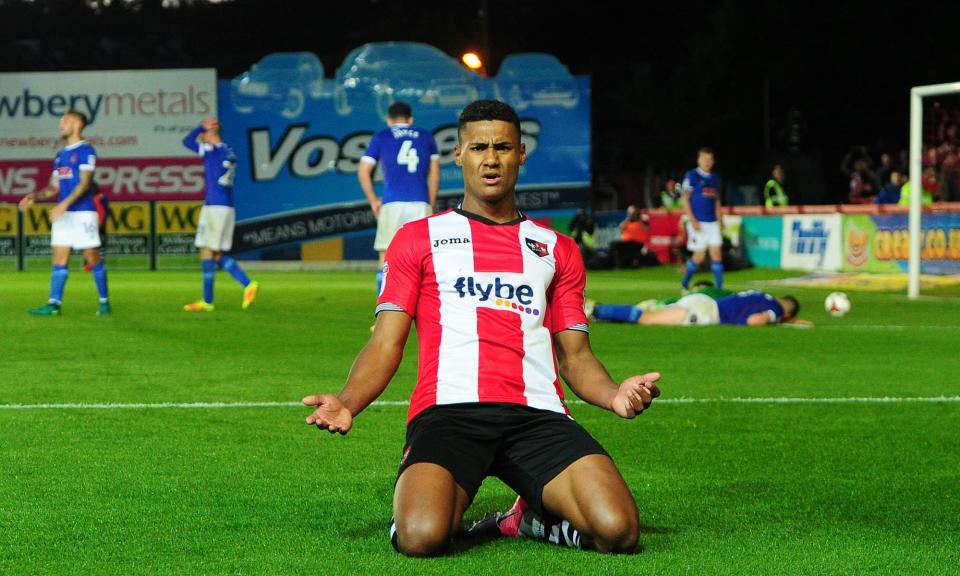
497, 299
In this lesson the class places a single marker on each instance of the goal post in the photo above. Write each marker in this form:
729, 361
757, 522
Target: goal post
917, 94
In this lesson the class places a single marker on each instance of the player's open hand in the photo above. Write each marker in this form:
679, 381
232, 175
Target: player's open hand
635, 394
331, 415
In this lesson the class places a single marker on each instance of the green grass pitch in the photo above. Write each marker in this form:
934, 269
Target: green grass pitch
725, 485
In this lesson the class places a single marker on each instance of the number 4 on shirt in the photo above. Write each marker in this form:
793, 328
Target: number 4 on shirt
408, 156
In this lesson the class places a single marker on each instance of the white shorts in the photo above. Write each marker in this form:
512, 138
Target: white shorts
701, 310
215, 228
707, 235
78, 230
393, 215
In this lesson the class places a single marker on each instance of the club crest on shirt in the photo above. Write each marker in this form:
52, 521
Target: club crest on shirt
538, 248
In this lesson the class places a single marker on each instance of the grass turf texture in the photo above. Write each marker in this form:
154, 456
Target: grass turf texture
723, 487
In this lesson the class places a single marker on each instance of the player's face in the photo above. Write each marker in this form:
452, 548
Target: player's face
68, 123
705, 161
490, 153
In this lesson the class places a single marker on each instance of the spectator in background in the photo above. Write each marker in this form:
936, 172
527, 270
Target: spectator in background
773, 192
582, 229
950, 177
631, 250
890, 193
886, 167
931, 188
863, 183
671, 197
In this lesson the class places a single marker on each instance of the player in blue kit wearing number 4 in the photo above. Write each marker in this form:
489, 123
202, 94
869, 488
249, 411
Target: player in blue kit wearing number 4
217, 217
701, 206
74, 219
411, 175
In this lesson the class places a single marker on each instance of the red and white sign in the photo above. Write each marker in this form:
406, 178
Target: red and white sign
137, 120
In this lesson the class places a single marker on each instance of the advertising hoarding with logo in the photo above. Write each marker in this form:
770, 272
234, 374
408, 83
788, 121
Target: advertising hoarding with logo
299, 137
881, 243
811, 242
137, 119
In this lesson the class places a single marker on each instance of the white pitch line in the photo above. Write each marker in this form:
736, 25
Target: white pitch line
404, 403
882, 327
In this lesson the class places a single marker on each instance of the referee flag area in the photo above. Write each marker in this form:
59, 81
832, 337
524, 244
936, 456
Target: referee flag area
154, 441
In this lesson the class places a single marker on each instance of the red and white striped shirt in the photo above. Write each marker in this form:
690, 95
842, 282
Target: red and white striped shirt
486, 299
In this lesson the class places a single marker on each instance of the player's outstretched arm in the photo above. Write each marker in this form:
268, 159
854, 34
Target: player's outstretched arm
369, 376
589, 380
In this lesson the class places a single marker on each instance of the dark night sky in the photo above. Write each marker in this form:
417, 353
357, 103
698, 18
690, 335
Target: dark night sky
668, 77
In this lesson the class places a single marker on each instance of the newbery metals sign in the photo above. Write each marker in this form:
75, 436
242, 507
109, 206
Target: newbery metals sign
137, 121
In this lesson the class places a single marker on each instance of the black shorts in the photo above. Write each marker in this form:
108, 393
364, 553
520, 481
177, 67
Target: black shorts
524, 447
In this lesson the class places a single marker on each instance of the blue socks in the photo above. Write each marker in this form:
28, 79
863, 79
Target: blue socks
717, 269
625, 313
58, 279
379, 281
688, 274
230, 265
209, 269
100, 277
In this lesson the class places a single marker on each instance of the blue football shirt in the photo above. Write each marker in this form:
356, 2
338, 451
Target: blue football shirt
737, 308
67, 166
404, 152
219, 167
704, 190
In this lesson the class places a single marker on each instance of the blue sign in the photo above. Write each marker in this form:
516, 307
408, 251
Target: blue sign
299, 136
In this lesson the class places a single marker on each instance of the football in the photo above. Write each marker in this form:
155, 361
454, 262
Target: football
837, 304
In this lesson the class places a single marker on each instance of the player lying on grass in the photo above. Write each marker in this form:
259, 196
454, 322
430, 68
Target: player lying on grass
749, 308
699, 287
498, 303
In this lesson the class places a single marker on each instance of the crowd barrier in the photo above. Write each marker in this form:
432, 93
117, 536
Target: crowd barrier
848, 238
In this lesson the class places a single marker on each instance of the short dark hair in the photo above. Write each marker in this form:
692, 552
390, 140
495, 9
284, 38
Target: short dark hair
706, 150
79, 116
481, 110
399, 110
795, 304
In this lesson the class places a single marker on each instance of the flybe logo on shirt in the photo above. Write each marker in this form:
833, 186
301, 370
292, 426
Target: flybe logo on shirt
504, 294
709, 192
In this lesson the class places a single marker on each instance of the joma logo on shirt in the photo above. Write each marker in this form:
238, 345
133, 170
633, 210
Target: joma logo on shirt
445, 241
497, 289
